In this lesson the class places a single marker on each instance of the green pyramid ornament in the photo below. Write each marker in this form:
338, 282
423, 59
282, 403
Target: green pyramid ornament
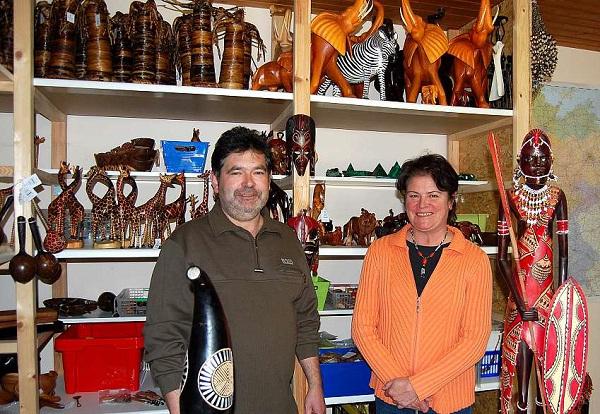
379, 171
395, 171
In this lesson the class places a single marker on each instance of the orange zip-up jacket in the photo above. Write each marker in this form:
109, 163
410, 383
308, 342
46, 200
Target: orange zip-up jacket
434, 340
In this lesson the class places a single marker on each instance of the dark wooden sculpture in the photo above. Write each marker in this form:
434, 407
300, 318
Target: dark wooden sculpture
279, 203
6, 205
472, 53
360, 230
93, 29
202, 210
176, 209
126, 206
318, 201
57, 212
471, 231
149, 213
279, 155
424, 45
138, 155
104, 209
391, 224
122, 49
333, 238
332, 35
145, 22
63, 39
42, 39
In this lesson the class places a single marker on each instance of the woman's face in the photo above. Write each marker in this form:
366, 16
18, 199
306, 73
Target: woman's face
426, 205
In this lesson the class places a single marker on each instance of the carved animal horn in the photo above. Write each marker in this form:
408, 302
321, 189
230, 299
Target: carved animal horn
496, 16
408, 16
485, 16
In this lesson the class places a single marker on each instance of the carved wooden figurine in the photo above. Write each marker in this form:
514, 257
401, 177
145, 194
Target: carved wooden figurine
202, 210
57, 213
424, 46
275, 75
126, 206
148, 214
332, 36
104, 210
318, 201
176, 209
360, 230
472, 53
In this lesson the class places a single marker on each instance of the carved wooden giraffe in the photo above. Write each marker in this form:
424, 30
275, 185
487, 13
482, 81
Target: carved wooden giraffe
126, 205
148, 214
104, 209
175, 210
202, 209
57, 211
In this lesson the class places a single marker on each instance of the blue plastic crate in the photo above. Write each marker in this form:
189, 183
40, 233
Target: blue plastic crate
184, 156
345, 378
489, 366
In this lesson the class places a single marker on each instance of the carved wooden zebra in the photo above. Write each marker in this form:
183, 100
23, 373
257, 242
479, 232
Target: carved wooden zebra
368, 59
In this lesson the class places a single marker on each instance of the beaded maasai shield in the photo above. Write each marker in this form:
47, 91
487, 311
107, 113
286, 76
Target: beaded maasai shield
566, 346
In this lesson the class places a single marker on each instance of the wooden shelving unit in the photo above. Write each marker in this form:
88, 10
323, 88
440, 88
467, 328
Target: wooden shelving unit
55, 99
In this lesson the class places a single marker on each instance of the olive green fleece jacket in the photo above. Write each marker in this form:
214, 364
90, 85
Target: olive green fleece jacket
272, 315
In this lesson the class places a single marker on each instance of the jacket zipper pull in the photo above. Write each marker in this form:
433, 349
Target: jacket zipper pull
257, 268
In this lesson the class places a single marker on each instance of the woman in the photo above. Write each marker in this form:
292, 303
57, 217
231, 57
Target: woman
423, 311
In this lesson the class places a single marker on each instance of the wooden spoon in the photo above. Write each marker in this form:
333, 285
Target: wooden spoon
48, 268
22, 266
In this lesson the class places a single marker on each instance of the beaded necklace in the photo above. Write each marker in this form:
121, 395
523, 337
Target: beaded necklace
425, 259
532, 203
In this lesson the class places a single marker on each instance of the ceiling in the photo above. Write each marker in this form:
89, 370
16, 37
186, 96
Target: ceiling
572, 23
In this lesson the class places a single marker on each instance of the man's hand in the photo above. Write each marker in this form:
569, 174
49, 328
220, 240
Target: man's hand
172, 400
401, 391
314, 403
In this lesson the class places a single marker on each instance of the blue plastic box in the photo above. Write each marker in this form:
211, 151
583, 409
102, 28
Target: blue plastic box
184, 156
345, 378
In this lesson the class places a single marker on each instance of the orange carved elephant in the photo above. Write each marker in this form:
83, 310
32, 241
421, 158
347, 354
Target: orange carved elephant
472, 54
275, 75
424, 46
332, 35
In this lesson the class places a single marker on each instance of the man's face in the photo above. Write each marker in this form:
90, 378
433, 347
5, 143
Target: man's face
243, 185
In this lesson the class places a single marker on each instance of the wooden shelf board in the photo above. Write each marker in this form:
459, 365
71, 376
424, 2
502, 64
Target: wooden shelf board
285, 182
5, 74
5, 256
343, 251
9, 346
88, 253
49, 176
351, 399
372, 115
115, 99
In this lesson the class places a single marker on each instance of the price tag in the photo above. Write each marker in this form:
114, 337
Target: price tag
97, 19
324, 217
70, 17
32, 181
156, 244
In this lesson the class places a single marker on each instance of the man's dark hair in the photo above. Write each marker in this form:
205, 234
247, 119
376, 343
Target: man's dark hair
236, 140
440, 170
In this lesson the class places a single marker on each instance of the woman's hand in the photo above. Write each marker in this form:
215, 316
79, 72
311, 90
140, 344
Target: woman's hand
401, 391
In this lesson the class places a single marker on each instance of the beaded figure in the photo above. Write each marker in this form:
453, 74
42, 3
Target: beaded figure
536, 206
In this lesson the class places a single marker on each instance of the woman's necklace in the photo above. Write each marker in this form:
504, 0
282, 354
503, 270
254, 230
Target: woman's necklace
425, 259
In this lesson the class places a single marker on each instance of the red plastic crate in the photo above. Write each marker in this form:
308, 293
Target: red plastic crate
100, 356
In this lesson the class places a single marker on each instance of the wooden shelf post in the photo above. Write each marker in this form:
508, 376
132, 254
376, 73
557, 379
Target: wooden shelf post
24, 132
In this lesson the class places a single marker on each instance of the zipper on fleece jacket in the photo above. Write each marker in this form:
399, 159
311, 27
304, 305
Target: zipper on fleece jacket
257, 266
416, 339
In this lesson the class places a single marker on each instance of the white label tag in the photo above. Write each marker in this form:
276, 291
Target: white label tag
70, 17
97, 19
156, 244
32, 181
27, 194
324, 217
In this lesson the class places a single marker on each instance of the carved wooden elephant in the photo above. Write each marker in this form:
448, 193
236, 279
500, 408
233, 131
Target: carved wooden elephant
275, 75
360, 230
424, 46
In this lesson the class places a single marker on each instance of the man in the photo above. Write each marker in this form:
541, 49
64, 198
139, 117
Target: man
261, 276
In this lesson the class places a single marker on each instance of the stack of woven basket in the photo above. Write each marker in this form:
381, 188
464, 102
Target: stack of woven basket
6, 34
